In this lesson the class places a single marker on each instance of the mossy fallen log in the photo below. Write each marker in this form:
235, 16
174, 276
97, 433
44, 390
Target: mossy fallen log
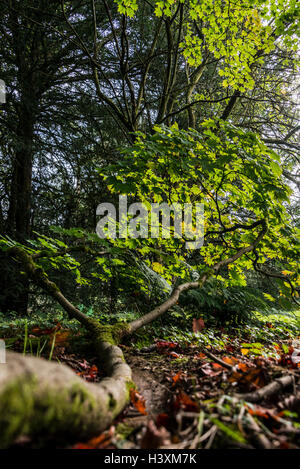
45, 400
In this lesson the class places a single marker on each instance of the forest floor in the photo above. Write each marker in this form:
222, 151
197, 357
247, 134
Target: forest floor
215, 389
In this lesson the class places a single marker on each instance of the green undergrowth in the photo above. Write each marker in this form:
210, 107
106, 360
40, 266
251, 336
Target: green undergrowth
264, 328
265, 335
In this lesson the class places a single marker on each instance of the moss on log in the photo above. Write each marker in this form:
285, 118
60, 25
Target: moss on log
112, 334
43, 400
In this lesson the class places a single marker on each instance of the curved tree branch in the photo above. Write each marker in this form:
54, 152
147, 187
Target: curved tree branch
172, 300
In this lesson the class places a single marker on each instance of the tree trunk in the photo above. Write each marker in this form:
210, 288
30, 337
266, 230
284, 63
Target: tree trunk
29, 403
13, 285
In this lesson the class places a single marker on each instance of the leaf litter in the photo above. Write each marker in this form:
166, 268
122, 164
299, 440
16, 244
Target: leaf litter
189, 394
203, 405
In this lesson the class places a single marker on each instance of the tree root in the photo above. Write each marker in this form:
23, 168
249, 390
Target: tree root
42, 399
272, 388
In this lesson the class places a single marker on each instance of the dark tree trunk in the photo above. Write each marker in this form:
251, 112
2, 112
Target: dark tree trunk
28, 49
20, 197
13, 285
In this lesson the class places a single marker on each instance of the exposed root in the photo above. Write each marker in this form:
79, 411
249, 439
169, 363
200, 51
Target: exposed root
42, 399
272, 388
